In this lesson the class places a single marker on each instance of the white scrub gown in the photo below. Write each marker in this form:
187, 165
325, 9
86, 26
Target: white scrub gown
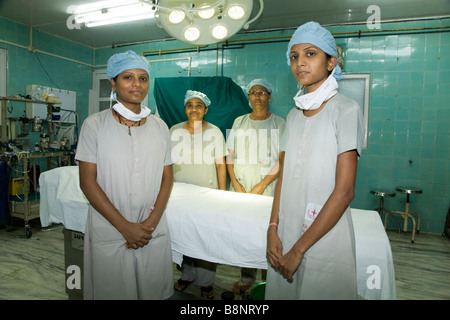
256, 149
312, 144
129, 170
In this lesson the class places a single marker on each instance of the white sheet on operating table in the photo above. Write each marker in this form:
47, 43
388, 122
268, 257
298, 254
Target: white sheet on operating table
226, 227
374, 257
61, 199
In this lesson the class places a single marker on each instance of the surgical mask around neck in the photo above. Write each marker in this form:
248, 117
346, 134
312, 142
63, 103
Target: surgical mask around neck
127, 113
313, 100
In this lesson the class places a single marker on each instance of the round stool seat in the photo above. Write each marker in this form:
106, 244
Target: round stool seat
409, 190
407, 214
382, 193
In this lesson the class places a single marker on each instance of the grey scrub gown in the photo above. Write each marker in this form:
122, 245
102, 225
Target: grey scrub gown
256, 149
312, 144
129, 170
196, 154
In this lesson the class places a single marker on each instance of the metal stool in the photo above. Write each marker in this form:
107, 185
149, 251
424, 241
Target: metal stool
406, 214
381, 208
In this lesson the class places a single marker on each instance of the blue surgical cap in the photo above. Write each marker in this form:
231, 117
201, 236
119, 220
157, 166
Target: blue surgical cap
260, 82
315, 34
196, 94
125, 61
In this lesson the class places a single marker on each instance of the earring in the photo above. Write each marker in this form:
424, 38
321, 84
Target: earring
112, 96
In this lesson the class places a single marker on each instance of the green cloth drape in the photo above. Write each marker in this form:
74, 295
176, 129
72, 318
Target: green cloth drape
228, 100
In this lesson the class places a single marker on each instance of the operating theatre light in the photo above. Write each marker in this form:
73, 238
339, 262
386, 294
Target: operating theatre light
192, 21
202, 22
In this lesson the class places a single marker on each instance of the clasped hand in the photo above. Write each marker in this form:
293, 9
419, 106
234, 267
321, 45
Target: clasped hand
286, 264
137, 235
257, 189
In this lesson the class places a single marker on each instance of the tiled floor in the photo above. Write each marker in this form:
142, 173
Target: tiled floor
34, 268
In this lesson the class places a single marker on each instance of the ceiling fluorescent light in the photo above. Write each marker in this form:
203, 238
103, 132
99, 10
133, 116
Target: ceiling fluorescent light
112, 12
116, 20
99, 5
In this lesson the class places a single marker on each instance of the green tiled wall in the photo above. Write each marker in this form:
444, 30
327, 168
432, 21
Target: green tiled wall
33, 67
409, 109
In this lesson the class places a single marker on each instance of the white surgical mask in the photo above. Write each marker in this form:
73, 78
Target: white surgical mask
313, 100
127, 113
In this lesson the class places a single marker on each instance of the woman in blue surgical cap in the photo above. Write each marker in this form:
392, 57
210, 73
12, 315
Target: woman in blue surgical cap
124, 156
310, 239
200, 150
253, 155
